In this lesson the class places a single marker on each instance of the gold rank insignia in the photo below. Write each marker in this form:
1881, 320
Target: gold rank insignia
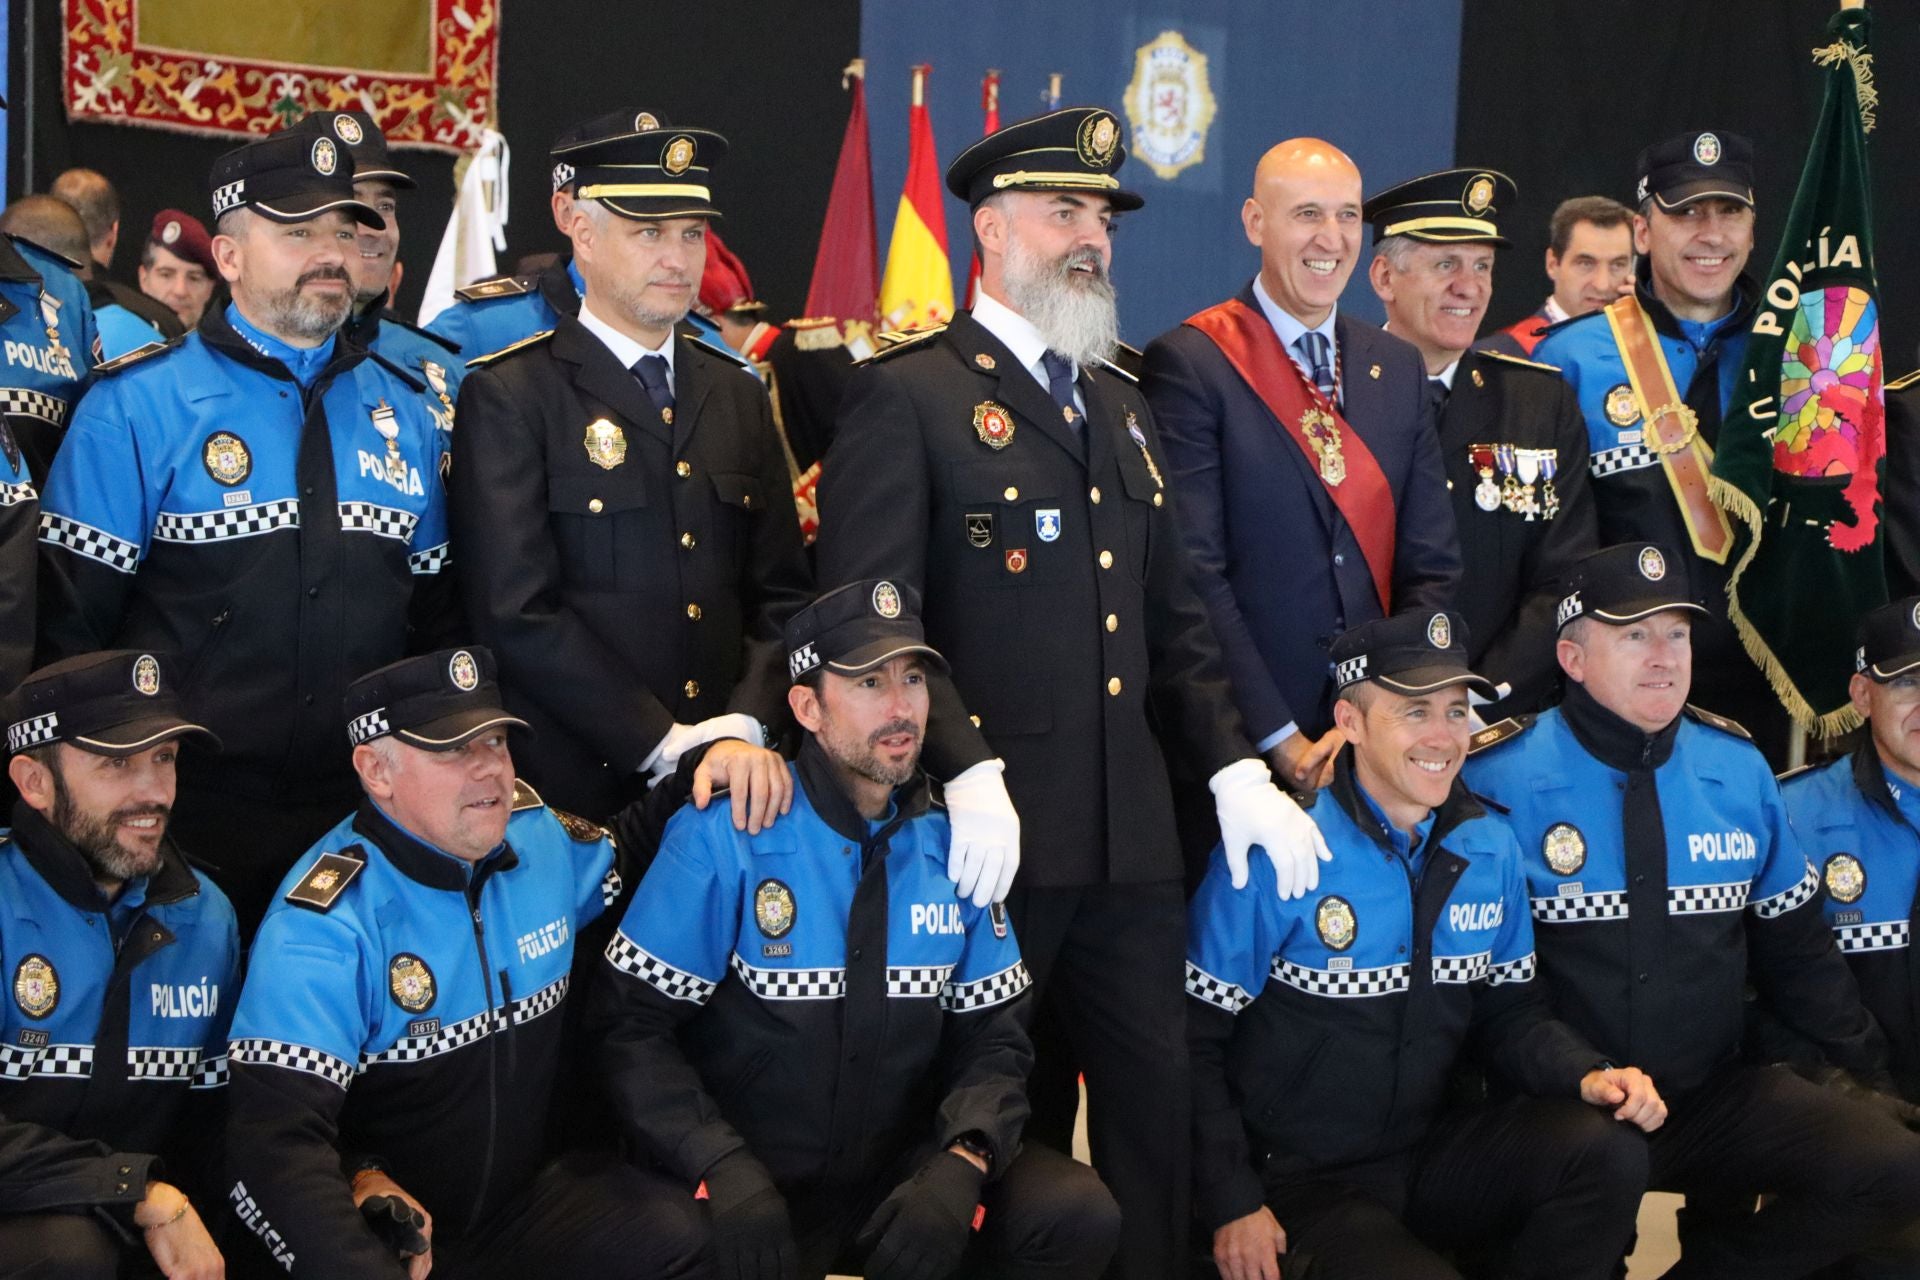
581, 830
606, 444
1846, 878
993, 424
1334, 920
1621, 409
1564, 849
411, 983
226, 458
1374, 373
1096, 140
773, 909
985, 361
36, 988
1478, 381
329, 877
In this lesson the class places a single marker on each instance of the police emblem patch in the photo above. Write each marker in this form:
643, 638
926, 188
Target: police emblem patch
325, 156
1334, 920
1846, 878
1016, 559
645, 122
463, 671
170, 232
1914, 617
1653, 565
1621, 409
677, 156
1478, 197
773, 909
980, 528
1096, 139
411, 983
347, 129
993, 424
1564, 849
226, 458
1706, 149
36, 987
1439, 631
998, 915
146, 675
1170, 105
606, 444
1046, 524
886, 600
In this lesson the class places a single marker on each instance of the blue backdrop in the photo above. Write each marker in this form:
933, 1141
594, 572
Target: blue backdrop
1278, 68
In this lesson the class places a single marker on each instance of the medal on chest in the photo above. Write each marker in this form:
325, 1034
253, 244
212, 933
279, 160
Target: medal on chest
1140, 438
1486, 494
389, 429
1549, 497
1323, 434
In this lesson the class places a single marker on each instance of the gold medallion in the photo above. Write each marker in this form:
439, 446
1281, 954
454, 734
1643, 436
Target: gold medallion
1478, 197
993, 424
774, 909
677, 157
1334, 920
1323, 434
1846, 878
606, 444
36, 987
1621, 409
411, 983
1564, 849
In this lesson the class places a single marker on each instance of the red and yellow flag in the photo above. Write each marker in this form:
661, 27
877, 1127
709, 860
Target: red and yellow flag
917, 288
989, 103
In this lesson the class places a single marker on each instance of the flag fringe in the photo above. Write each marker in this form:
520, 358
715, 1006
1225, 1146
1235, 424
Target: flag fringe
1862, 65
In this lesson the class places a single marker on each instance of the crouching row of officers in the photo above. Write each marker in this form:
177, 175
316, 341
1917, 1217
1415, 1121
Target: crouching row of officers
814, 1054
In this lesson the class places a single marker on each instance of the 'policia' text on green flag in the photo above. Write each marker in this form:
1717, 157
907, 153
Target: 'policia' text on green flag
1799, 458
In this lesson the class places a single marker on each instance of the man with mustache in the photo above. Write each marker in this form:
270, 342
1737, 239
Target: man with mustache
1302, 450
1005, 468
122, 964
265, 496
623, 505
805, 1022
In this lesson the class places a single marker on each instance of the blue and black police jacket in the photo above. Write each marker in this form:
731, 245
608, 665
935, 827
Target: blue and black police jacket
113, 1038
1324, 1028
815, 994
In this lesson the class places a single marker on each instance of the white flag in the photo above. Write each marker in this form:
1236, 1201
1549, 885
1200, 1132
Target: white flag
477, 230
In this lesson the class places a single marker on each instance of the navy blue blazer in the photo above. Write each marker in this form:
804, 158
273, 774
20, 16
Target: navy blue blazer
1278, 566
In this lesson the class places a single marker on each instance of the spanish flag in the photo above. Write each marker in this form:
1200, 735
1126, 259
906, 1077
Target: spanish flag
917, 288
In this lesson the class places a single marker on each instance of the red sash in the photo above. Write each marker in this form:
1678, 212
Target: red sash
1347, 468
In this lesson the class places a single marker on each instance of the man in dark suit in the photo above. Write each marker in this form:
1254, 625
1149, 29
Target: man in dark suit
630, 551
1008, 472
1511, 434
1302, 451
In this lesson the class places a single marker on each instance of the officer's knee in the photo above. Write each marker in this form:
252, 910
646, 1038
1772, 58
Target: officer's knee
1602, 1153
60, 1246
669, 1240
1071, 1222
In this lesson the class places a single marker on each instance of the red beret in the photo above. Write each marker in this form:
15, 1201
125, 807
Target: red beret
182, 235
724, 285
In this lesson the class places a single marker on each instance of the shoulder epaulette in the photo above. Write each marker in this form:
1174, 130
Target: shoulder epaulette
525, 797
481, 362
1524, 363
51, 253
1111, 367
1791, 774
1901, 384
136, 355
899, 340
323, 884
498, 287
388, 317
1498, 732
725, 353
582, 830
1720, 722
815, 333
398, 370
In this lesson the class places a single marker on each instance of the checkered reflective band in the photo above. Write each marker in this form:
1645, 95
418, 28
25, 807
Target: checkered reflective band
1570, 608
792, 984
217, 526
24, 403
1888, 935
965, 997
1706, 899
383, 522
1204, 987
458, 1035
257, 1052
1787, 899
162, 1063
1520, 970
630, 958
1573, 908
1459, 969
34, 731
211, 1073
68, 1060
365, 728
1344, 984
918, 982
12, 495
1629, 457
432, 560
1350, 670
610, 887
85, 540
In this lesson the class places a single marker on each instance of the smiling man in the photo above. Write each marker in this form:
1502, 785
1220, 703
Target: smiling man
1511, 434
1589, 261
1300, 446
264, 497
1664, 880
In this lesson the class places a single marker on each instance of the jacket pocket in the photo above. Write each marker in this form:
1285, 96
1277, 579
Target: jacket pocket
587, 514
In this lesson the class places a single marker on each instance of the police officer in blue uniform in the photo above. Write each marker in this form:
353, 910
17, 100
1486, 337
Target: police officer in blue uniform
265, 496
122, 965
807, 1021
1655, 910
1324, 1029
398, 1045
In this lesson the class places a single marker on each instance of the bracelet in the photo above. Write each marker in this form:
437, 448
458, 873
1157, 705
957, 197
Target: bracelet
178, 1214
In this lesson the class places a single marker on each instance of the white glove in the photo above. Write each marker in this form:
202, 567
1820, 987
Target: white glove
1254, 811
985, 848
1477, 700
683, 738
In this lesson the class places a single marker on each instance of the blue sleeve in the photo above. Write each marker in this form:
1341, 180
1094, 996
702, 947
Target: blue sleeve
990, 971
680, 929
99, 501
1233, 934
212, 1072
307, 1006
429, 547
1784, 879
596, 878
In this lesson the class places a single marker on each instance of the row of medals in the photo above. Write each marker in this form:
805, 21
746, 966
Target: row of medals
1520, 471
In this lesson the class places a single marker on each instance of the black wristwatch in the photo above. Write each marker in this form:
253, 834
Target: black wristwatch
974, 1143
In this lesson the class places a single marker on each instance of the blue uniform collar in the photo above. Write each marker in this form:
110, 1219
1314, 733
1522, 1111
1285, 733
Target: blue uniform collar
304, 363
1412, 848
835, 807
1460, 806
1745, 294
14, 267
421, 862
1611, 740
1900, 800
55, 860
218, 332
579, 281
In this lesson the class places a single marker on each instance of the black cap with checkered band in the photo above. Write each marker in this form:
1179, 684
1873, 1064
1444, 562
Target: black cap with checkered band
1625, 583
114, 703
1410, 653
299, 173
1889, 640
437, 701
853, 629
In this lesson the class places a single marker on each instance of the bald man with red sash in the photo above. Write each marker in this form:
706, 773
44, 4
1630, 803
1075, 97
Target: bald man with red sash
1301, 447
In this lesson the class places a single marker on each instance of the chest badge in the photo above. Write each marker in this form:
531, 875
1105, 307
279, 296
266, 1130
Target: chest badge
1564, 849
411, 983
606, 444
1016, 559
993, 424
1046, 524
1621, 410
1333, 919
50, 316
36, 987
1486, 494
773, 909
980, 528
1846, 878
226, 458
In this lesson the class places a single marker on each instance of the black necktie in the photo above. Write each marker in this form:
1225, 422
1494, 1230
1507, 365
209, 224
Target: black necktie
652, 372
1060, 383
1437, 396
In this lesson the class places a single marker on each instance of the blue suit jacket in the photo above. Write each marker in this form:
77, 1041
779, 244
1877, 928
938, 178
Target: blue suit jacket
1277, 564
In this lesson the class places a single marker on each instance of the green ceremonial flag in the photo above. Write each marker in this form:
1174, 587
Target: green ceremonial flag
1800, 453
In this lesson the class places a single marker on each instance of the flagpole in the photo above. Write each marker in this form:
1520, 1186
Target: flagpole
1053, 91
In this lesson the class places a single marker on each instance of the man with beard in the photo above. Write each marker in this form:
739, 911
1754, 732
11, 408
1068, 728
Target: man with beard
1002, 466
122, 963
629, 543
265, 496
1301, 446
805, 1022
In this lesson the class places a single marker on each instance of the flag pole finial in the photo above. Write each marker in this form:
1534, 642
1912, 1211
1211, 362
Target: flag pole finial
920, 83
855, 70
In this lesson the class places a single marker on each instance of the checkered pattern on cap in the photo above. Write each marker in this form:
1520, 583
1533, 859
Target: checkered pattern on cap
22, 735
26, 403
966, 997
792, 984
610, 887
1887, 935
85, 540
1208, 989
365, 728
1787, 899
383, 522
162, 1063
432, 560
1344, 984
217, 526
256, 1051
630, 958
1706, 899
68, 1060
1350, 670
1460, 969
1581, 906
1520, 970
1628, 457
913, 982
12, 495
1569, 609
211, 1073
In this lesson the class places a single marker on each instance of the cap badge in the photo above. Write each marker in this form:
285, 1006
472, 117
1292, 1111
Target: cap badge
170, 232
1479, 194
773, 909
226, 458
1706, 149
1439, 631
1914, 617
1653, 565
146, 674
411, 983
326, 157
886, 600
464, 672
677, 157
1846, 878
606, 444
993, 424
348, 129
645, 122
1333, 918
36, 987
1098, 135
1564, 849
1622, 410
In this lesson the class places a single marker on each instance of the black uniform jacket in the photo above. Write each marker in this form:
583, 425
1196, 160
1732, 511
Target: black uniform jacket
1517, 557
628, 573
1900, 491
1055, 583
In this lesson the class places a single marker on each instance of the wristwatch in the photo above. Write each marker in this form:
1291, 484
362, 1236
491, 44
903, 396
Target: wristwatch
974, 1143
